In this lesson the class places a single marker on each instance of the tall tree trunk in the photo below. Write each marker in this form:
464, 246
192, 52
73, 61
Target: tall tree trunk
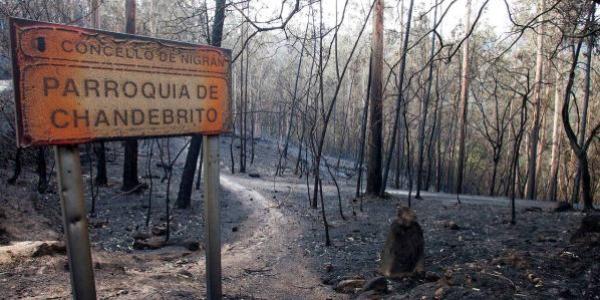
326, 113
317, 157
375, 143
438, 142
17, 170
425, 110
399, 99
580, 150
325, 224
583, 124
515, 160
252, 124
99, 148
130, 160
293, 105
363, 132
408, 149
304, 118
245, 109
494, 173
537, 98
187, 176
41, 170
544, 136
400, 141
463, 106
556, 141
101, 173
243, 58
199, 172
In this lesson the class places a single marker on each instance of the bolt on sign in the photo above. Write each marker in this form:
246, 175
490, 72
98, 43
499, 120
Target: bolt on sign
75, 85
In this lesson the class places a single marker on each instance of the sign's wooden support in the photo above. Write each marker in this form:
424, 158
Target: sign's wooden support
70, 185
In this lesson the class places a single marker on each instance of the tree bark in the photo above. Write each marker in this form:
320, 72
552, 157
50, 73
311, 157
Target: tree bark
363, 131
101, 173
187, 177
463, 106
99, 148
535, 129
130, 161
580, 151
17, 170
283, 156
375, 144
41, 170
400, 100
425, 110
584, 117
556, 141
515, 157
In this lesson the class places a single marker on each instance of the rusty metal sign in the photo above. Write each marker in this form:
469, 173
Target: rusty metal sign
75, 85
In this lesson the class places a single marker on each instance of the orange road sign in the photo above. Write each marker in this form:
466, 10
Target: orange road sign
75, 85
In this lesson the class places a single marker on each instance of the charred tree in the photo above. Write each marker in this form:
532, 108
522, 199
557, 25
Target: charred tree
425, 110
463, 108
187, 176
535, 128
130, 160
42, 185
191, 160
375, 144
580, 150
556, 141
99, 148
399, 99
363, 132
17, 169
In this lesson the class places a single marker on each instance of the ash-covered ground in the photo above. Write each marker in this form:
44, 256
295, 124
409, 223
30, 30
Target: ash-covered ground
274, 242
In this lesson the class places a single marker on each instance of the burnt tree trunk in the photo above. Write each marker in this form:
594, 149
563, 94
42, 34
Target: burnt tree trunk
187, 176
535, 129
130, 160
363, 132
99, 148
17, 170
41, 170
375, 144
580, 150
463, 108
399, 101
101, 174
194, 151
556, 142
425, 110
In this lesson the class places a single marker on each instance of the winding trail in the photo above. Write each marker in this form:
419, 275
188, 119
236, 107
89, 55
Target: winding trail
476, 199
268, 256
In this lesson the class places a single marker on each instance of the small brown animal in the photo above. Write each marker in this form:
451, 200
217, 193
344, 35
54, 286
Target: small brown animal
403, 251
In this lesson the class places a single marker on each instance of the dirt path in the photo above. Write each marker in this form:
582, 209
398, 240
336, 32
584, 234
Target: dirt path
266, 257
471, 199
259, 258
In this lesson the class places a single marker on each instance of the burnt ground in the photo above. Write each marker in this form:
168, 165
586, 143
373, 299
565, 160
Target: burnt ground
273, 242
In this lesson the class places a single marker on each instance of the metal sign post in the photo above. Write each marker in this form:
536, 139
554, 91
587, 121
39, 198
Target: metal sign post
70, 184
212, 227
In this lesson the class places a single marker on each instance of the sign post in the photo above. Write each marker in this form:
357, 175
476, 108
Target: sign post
212, 228
70, 185
77, 85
